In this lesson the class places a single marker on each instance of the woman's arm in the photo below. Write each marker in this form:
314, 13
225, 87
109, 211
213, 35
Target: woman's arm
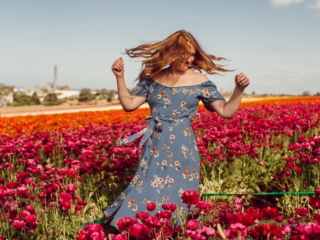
229, 108
128, 102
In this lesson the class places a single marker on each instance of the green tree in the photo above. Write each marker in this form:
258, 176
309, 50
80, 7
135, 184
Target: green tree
51, 99
106, 94
21, 99
34, 100
85, 95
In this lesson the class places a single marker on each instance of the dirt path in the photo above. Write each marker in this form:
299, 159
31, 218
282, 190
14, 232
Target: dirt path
37, 110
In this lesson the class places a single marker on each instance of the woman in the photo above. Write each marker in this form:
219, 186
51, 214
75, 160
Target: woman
169, 163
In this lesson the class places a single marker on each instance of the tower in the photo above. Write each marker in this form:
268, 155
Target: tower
55, 77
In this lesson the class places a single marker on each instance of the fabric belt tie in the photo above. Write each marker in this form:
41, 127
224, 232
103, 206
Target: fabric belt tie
155, 123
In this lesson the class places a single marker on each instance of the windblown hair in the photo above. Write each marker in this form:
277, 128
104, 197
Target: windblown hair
159, 55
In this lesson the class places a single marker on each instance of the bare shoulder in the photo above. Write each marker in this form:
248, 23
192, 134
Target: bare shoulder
198, 77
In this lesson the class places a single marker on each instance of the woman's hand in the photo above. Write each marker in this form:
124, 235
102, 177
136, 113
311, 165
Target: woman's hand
242, 81
118, 67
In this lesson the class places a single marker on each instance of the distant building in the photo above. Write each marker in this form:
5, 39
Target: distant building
5, 100
67, 93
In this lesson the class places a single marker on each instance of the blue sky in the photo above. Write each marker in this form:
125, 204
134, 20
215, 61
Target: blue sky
276, 43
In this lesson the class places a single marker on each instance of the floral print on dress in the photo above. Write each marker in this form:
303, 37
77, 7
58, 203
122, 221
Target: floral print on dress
169, 157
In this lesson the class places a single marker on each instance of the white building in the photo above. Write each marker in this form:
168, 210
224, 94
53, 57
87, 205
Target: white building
67, 93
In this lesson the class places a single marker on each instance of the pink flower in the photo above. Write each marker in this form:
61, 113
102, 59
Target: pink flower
237, 228
72, 187
192, 225
286, 229
190, 197
207, 231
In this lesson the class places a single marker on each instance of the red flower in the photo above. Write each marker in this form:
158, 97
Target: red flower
151, 206
31, 218
93, 227
317, 191
270, 212
169, 207
190, 197
142, 215
165, 215
302, 211
315, 202
18, 224
31, 209
11, 185
139, 230
125, 223
78, 208
65, 200
72, 172
279, 218
202, 205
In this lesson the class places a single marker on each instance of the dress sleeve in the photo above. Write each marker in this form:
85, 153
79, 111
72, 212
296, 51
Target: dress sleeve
209, 93
141, 89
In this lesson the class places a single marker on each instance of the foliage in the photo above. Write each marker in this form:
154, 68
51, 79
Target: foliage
51, 99
22, 99
106, 94
5, 90
85, 95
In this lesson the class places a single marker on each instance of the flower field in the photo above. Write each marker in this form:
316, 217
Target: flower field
58, 172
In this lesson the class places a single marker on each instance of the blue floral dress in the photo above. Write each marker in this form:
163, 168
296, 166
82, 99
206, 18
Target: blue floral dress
169, 162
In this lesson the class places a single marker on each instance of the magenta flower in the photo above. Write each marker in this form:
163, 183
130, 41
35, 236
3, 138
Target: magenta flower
238, 228
139, 230
192, 225
151, 206
19, 224
190, 197
125, 223
72, 187
65, 201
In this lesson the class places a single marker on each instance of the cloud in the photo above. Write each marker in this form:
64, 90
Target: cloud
315, 5
283, 3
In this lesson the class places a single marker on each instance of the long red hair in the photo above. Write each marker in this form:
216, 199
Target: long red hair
160, 54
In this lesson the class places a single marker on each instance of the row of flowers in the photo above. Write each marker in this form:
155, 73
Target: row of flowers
65, 121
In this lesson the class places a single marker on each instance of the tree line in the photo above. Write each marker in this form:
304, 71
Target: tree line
52, 98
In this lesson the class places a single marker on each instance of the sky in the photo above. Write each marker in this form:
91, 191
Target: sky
276, 43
